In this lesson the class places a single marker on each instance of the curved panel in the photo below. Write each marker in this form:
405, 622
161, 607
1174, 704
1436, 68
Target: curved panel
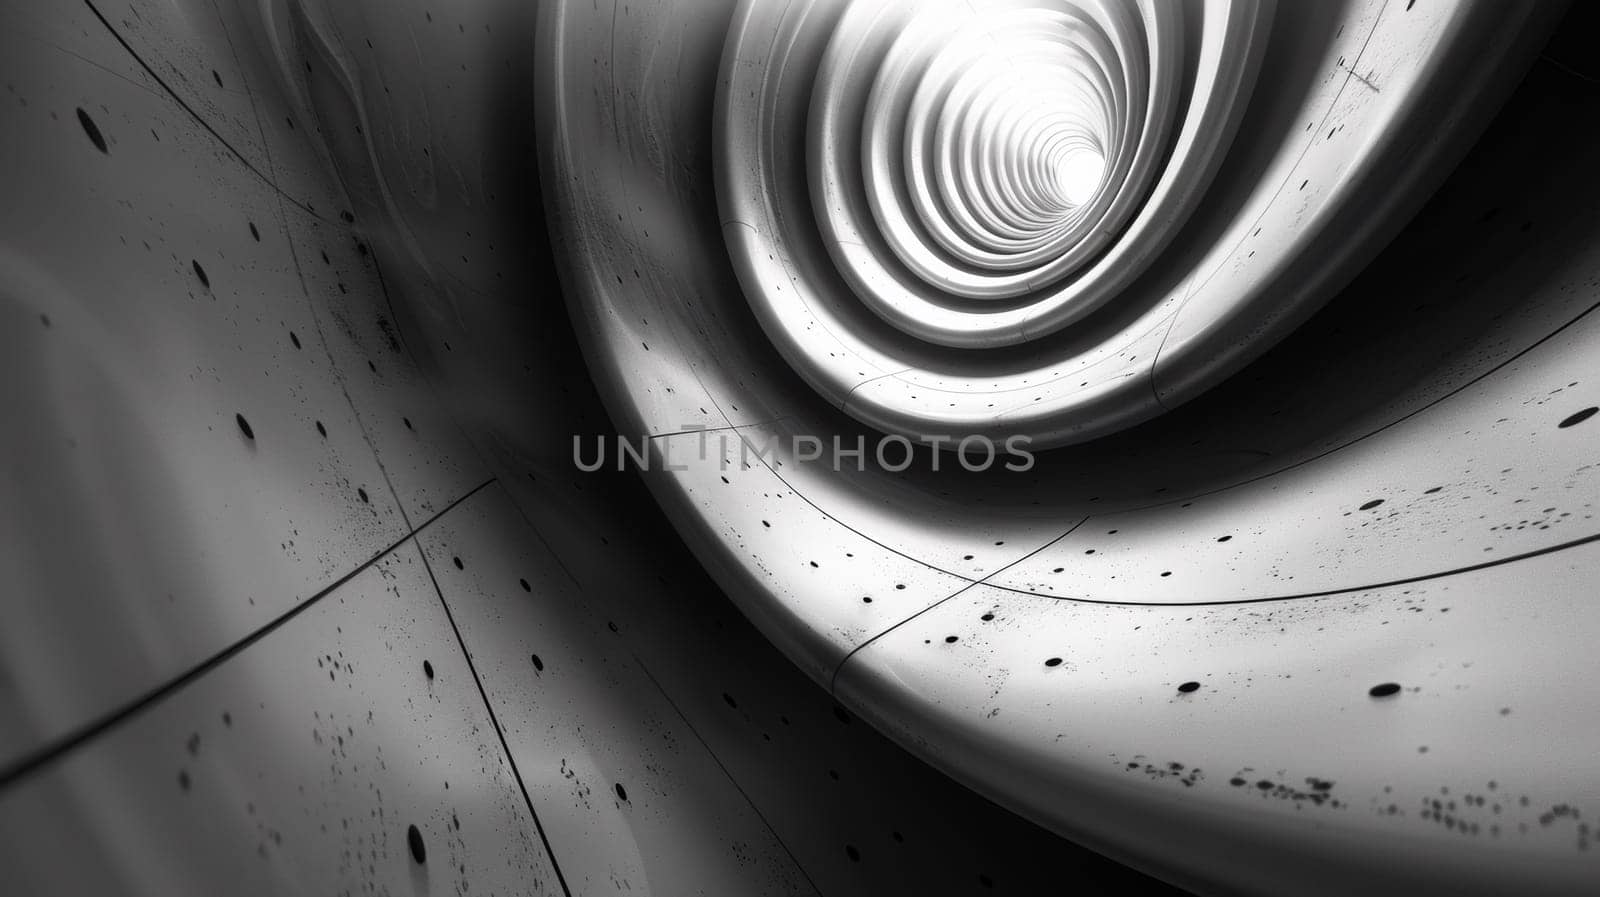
1302, 490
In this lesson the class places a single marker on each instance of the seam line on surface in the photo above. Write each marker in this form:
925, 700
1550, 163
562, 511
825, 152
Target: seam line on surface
55, 749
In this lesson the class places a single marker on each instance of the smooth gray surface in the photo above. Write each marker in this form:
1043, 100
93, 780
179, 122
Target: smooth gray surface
299, 766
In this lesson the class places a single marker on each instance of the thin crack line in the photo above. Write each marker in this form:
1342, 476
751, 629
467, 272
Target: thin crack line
494, 720
243, 160
833, 681
731, 780
59, 747
1343, 590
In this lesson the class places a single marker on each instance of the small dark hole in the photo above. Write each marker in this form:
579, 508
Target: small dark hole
1578, 418
1188, 687
1053, 662
1384, 690
622, 793
537, 663
419, 851
459, 565
93, 130
427, 669
244, 426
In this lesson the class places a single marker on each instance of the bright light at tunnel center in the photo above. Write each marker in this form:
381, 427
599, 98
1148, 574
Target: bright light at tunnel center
1079, 175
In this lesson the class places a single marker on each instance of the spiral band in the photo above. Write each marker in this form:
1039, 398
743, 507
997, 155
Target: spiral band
976, 176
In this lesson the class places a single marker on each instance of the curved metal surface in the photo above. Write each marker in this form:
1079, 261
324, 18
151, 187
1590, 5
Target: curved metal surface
307, 594
1279, 549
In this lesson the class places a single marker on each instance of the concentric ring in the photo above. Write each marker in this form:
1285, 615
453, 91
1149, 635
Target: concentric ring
976, 177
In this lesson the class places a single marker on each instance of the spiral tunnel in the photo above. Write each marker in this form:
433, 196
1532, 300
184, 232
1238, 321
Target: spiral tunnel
835, 447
